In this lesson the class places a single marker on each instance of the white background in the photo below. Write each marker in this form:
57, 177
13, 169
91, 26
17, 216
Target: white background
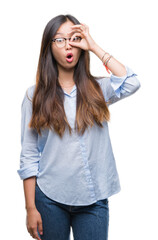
127, 30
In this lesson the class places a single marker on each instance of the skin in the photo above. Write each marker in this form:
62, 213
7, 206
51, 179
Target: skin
66, 70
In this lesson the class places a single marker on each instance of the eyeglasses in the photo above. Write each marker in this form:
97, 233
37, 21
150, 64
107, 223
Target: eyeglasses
60, 42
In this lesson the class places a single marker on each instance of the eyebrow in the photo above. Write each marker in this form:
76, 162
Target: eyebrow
59, 33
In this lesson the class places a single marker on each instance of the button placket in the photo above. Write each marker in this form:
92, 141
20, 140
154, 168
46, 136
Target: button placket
87, 168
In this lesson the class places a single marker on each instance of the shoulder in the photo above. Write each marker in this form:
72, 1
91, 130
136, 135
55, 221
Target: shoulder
30, 92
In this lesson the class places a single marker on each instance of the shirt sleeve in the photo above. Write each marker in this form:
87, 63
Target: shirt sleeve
116, 88
29, 156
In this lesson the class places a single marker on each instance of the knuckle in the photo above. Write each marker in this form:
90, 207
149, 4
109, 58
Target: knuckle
32, 228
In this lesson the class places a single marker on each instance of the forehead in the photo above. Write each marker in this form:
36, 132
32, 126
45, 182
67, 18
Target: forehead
64, 29
58, 34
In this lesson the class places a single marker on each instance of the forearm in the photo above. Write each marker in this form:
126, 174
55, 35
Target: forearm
29, 192
117, 68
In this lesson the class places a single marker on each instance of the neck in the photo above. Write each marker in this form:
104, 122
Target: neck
66, 76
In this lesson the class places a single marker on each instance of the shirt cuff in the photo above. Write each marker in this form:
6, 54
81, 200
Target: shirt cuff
117, 82
27, 172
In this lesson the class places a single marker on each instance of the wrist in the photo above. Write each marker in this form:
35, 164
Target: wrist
98, 51
29, 208
93, 48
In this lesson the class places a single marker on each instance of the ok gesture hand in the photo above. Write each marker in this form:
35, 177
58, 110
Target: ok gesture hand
82, 30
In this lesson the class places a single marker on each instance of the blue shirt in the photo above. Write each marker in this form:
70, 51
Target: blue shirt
75, 170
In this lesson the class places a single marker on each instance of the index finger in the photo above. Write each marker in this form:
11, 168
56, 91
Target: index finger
77, 25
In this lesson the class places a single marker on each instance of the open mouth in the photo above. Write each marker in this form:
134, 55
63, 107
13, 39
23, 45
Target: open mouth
69, 57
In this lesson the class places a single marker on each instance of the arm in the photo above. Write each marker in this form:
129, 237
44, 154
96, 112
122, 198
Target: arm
30, 154
88, 43
117, 88
117, 68
33, 218
29, 192
29, 161
122, 83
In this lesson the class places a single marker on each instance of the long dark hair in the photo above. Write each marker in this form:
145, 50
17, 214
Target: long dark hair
48, 98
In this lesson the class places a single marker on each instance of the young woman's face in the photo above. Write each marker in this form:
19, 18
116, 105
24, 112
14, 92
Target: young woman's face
60, 53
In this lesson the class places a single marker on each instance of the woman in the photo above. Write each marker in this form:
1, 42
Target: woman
66, 160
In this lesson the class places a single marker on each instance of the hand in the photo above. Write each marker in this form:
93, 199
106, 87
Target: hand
82, 30
33, 220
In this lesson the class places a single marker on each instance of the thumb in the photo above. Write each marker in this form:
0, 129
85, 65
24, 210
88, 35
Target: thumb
74, 44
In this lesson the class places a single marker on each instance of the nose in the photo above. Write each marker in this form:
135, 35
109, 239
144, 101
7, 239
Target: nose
67, 45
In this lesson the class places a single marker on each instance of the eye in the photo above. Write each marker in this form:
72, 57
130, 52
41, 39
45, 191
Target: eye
60, 40
76, 38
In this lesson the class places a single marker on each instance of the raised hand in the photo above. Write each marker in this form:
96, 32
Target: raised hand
82, 30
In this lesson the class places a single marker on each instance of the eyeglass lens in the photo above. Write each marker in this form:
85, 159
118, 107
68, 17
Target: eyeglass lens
60, 42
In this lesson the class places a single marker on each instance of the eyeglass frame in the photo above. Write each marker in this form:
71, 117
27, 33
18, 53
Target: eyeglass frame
54, 39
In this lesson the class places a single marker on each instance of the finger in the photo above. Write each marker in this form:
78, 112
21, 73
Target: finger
76, 25
78, 32
75, 35
75, 30
35, 235
40, 228
83, 24
79, 26
74, 44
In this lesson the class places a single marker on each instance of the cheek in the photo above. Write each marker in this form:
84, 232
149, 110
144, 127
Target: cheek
78, 53
57, 54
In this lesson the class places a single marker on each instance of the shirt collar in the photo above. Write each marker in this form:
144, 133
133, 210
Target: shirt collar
72, 93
